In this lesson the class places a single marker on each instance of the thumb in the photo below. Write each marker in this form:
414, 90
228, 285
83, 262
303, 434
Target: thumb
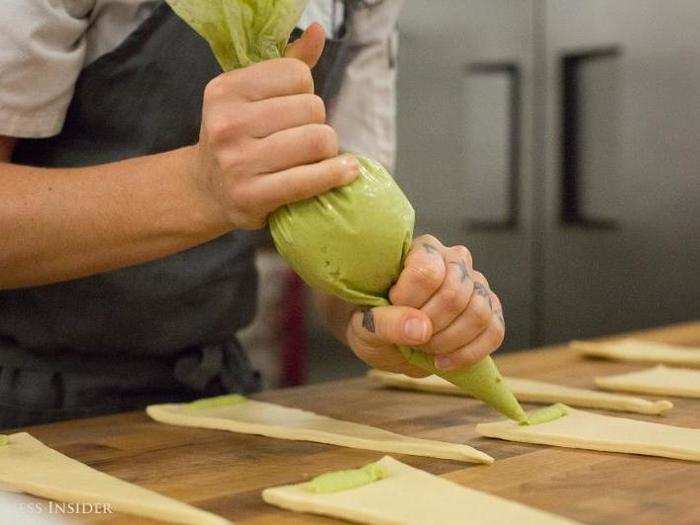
309, 46
396, 325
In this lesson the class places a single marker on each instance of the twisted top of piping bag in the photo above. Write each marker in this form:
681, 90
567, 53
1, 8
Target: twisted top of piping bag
351, 241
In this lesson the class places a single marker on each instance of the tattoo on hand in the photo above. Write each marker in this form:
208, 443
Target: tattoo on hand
464, 277
429, 248
368, 320
481, 290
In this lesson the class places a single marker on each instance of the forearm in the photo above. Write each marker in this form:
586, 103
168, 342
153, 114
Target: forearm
335, 314
61, 224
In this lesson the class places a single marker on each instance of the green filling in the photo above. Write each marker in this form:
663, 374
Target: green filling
547, 414
345, 479
218, 401
4, 440
351, 241
481, 380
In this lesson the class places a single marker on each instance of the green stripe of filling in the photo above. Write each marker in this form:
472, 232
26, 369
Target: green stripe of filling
345, 479
214, 402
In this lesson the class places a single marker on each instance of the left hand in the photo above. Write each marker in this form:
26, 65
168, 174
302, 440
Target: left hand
440, 305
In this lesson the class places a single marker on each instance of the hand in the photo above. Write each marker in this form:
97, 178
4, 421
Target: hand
440, 305
264, 142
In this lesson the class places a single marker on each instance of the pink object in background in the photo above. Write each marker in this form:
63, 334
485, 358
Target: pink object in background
294, 356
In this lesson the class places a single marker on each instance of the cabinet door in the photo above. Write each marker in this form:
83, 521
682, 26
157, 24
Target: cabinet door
622, 201
464, 120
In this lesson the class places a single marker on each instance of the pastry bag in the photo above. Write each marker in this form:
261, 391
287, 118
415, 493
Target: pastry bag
351, 241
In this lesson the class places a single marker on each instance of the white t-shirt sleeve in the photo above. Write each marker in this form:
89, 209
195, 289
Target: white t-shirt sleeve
364, 112
42, 51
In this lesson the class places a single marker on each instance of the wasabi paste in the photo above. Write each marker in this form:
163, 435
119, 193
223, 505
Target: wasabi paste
345, 479
215, 402
547, 414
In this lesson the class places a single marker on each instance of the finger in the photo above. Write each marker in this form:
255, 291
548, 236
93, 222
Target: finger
423, 273
387, 358
293, 147
475, 319
375, 352
395, 325
266, 117
474, 352
453, 296
498, 308
309, 46
278, 77
271, 191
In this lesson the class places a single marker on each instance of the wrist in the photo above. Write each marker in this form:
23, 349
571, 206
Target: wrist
335, 313
207, 212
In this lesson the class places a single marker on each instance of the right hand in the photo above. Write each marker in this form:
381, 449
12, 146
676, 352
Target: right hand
264, 142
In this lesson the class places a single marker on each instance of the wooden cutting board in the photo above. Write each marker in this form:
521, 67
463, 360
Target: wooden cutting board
224, 473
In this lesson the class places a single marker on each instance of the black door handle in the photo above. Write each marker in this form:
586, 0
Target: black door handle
512, 71
571, 212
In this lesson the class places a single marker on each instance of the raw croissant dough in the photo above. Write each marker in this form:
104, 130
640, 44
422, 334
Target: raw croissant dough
660, 380
528, 390
27, 465
409, 496
267, 419
580, 429
641, 352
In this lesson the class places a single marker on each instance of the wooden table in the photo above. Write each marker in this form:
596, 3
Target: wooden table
225, 473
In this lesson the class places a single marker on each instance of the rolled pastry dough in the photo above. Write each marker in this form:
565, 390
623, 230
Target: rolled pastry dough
641, 352
410, 496
580, 429
660, 380
528, 390
27, 465
267, 419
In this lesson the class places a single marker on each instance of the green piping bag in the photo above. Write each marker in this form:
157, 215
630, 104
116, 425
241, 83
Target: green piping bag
351, 241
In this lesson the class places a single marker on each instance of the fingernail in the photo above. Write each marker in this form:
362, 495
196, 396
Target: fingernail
443, 362
416, 330
350, 164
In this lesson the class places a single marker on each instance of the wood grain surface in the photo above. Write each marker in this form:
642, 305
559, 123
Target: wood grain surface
224, 472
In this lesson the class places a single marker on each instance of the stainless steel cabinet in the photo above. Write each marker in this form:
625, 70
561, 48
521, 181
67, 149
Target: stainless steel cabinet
464, 127
558, 139
622, 165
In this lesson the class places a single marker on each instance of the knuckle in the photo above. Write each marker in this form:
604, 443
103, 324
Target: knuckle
300, 75
452, 299
324, 141
482, 314
215, 88
466, 356
478, 276
236, 124
463, 253
337, 177
497, 335
225, 160
317, 109
397, 295
425, 276
428, 238
220, 158
216, 128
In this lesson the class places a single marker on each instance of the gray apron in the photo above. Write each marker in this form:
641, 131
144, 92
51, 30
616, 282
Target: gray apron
160, 331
